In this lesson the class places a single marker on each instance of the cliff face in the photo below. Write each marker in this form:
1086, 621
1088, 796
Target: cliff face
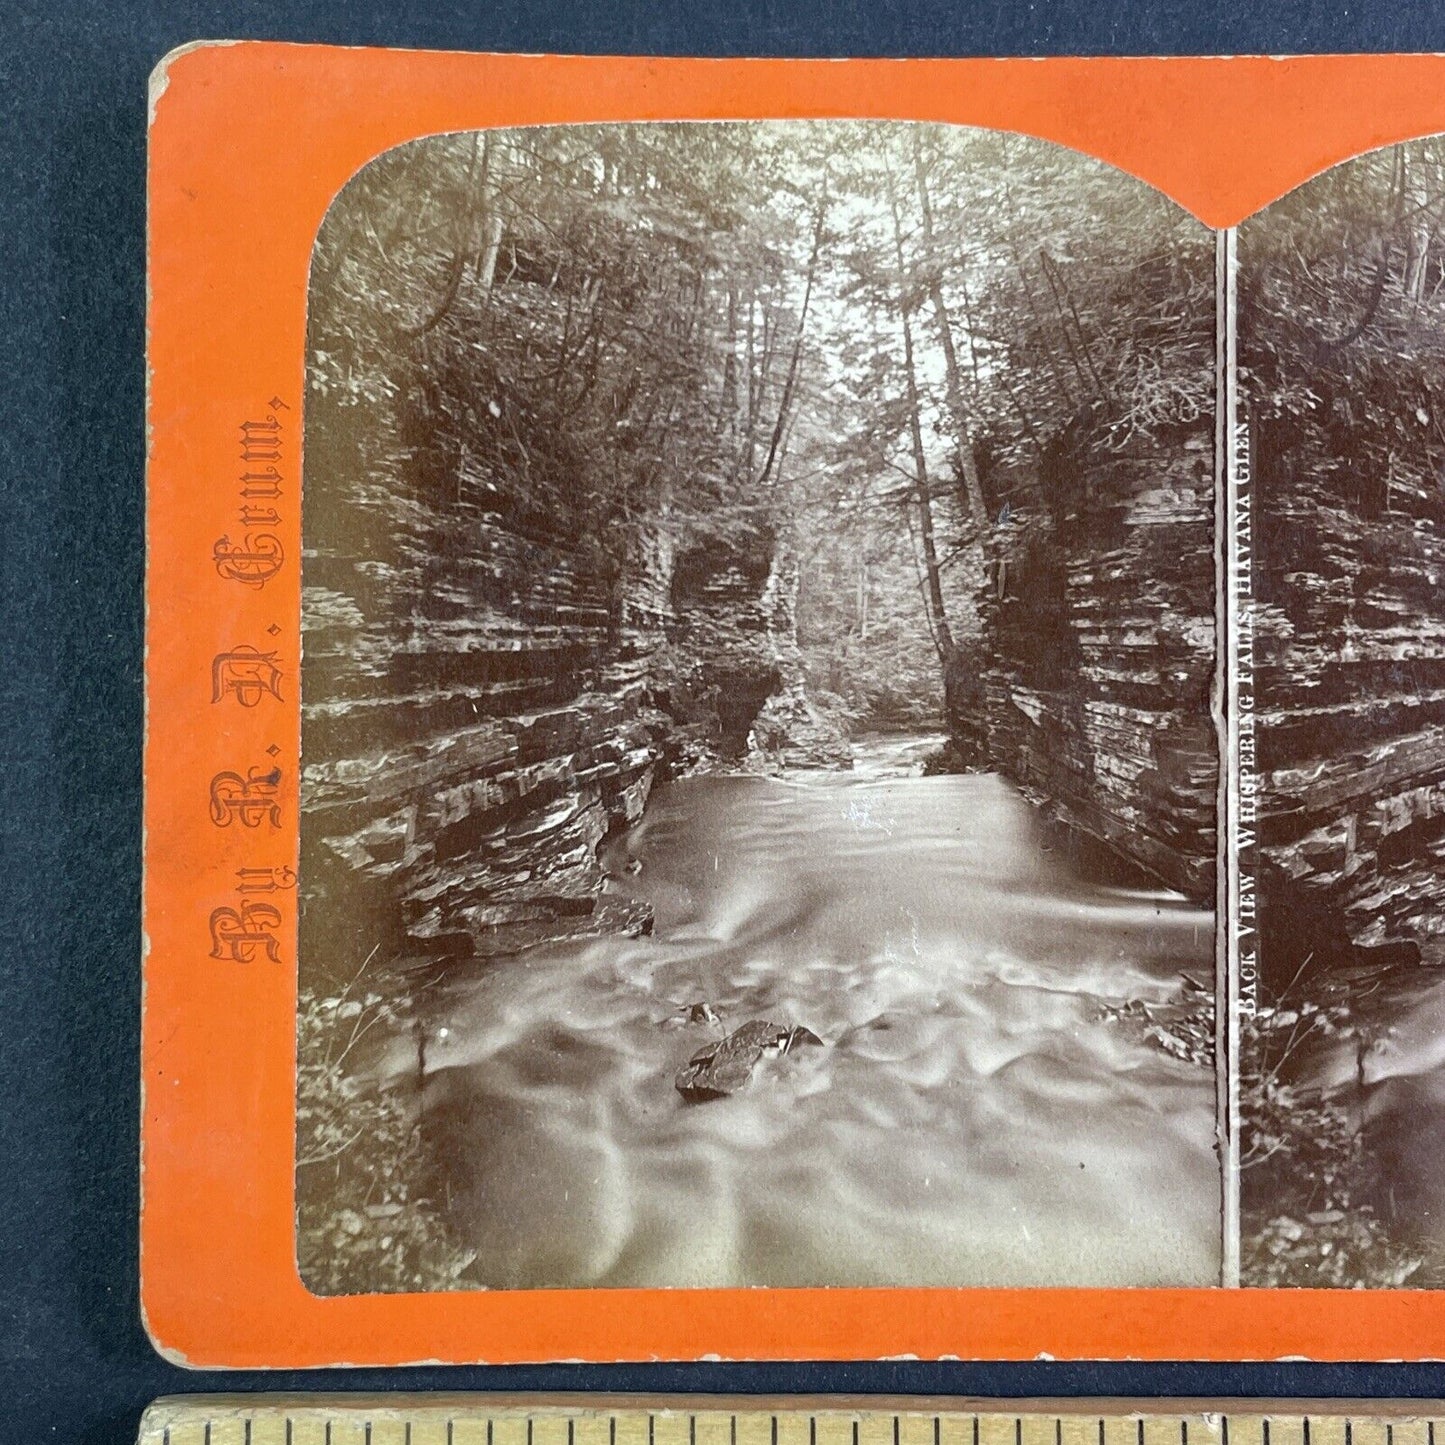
486, 696
1099, 655
1350, 674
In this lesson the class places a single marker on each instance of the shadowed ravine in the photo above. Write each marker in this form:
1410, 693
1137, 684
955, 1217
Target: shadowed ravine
972, 1120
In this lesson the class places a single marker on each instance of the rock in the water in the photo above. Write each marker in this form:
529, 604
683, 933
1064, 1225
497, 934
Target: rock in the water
791, 731
724, 1067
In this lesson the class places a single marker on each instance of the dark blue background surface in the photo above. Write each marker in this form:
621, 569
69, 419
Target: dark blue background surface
74, 1363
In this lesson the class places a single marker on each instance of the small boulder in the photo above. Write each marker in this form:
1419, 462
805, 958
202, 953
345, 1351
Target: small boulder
723, 1068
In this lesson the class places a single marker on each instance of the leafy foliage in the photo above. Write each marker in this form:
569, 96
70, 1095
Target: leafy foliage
369, 1228
583, 326
859, 341
1306, 1174
1342, 322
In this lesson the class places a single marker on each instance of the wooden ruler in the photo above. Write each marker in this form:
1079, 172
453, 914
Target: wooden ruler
480, 1419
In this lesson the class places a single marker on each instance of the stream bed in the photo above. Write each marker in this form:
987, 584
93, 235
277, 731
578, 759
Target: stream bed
974, 1115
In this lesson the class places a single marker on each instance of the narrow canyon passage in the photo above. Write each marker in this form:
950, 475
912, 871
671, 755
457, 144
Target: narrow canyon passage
974, 1117
655, 475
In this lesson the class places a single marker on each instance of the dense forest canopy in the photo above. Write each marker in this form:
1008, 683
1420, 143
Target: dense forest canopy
865, 343
1342, 314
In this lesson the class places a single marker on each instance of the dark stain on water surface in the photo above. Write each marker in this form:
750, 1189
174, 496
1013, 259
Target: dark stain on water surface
971, 1118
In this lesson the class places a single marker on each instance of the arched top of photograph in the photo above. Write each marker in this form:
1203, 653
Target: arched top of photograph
688, 234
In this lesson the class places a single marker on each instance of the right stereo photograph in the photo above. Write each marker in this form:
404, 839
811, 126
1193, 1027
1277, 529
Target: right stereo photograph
1339, 460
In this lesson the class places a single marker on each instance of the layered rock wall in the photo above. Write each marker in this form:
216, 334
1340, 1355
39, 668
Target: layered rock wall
488, 693
477, 714
1099, 655
1350, 675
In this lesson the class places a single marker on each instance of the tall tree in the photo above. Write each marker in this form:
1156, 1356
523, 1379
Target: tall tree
965, 461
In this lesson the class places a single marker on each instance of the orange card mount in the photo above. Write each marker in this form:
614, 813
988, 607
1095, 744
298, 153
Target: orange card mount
350, 1152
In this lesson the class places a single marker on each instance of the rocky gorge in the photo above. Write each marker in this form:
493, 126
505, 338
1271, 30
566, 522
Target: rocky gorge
487, 706
1342, 388
484, 723
649, 471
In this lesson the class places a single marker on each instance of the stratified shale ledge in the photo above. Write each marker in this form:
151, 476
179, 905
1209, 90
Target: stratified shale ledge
1351, 672
486, 704
1099, 651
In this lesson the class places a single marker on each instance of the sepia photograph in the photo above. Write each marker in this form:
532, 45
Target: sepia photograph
758, 772
1342, 1087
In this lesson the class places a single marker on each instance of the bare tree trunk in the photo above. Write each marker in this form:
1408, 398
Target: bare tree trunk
750, 426
967, 465
492, 231
1419, 236
461, 253
792, 378
943, 636
730, 362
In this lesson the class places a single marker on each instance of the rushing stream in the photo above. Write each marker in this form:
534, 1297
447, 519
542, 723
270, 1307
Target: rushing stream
972, 1119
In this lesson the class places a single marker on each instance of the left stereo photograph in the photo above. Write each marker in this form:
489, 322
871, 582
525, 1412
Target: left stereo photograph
758, 788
